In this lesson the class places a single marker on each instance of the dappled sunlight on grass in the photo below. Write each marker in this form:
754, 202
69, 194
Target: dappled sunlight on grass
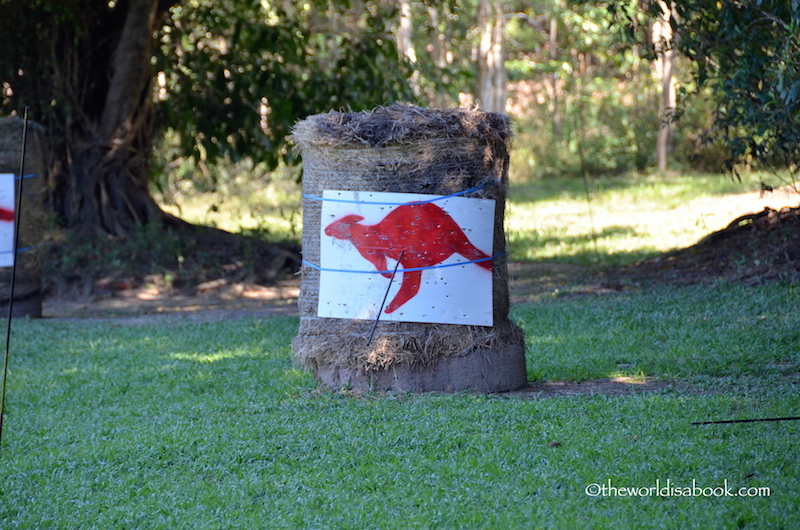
211, 357
625, 220
268, 207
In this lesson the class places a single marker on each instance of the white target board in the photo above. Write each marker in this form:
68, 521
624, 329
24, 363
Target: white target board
6, 220
441, 248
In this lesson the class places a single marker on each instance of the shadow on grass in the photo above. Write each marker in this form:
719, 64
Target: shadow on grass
584, 249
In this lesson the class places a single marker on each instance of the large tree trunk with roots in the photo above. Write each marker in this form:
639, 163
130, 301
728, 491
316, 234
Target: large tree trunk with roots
104, 184
100, 182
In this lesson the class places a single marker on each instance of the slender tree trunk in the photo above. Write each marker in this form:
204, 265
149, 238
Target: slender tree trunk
405, 31
437, 45
405, 44
664, 67
439, 52
492, 75
555, 107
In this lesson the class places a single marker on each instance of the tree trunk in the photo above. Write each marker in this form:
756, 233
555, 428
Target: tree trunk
492, 75
97, 72
664, 67
438, 50
555, 109
405, 32
405, 44
112, 178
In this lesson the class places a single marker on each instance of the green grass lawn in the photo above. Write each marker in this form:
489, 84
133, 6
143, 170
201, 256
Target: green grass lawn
211, 426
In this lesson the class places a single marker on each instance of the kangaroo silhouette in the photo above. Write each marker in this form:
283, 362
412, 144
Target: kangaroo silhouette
416, 235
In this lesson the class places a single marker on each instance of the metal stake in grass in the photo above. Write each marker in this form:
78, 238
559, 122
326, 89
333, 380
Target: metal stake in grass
745, 421
385, 296
13, 270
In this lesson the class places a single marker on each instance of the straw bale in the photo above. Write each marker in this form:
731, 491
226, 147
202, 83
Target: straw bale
28, 281
402, 149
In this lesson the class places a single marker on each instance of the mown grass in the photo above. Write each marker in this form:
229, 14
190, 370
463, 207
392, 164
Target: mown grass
211, 426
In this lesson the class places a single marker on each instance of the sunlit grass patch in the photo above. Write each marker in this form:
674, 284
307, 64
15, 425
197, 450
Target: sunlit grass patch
249, 200
624, 219
611, 220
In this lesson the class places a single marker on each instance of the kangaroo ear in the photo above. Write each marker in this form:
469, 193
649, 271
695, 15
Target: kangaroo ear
340, 227
347, 220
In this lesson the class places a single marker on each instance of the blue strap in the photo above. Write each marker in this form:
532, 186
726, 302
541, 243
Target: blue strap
16, 177
317, 267
18, 250
457, 194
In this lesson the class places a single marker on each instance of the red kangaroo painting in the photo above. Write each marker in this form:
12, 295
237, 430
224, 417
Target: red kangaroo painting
418, 235
6, 214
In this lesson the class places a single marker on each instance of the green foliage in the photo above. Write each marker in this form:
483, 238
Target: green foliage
149, 245
45, 45
748, 54
606, 127
444, 37
600, 113
241, 197
230, 77
152, 254
237, 75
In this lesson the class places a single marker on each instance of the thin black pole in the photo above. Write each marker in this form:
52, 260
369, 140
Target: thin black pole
744, 421
13, 270
385, 296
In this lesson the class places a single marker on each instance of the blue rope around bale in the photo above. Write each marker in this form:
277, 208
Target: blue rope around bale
457, 194
440, 266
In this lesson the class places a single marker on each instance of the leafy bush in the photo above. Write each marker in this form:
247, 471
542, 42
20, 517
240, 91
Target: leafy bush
608, 126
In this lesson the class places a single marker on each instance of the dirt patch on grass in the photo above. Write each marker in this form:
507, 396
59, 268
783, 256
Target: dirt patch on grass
149, 304
754, 248
615, 386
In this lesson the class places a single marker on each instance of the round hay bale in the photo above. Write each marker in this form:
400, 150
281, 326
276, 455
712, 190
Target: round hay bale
407, 149
28, 281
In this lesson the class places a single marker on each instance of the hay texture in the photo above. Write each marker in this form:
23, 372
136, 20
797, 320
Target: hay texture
28, 281
402, 149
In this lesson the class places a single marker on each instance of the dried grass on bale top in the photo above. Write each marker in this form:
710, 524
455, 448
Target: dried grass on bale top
402, 149
400, 124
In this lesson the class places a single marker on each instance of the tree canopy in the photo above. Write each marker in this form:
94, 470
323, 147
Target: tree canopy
234, 76
747, 52
228, 77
